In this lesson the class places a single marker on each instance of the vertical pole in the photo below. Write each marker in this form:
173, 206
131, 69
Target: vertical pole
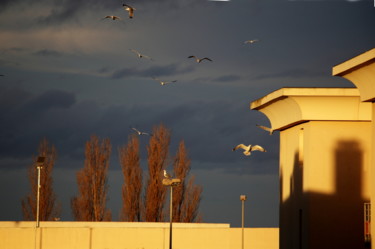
243, 222
38, 197
170, 219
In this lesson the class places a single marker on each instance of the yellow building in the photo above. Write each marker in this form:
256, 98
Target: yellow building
326, 137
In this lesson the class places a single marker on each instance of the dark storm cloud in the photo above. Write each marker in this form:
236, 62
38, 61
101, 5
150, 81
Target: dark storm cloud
25, 118
167, 70
71, 9
210, 129
51, 99
227, 78
48, 53
5, 3
62, 11
293, 73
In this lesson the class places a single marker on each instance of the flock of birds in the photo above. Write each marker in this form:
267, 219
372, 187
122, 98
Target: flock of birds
247, 149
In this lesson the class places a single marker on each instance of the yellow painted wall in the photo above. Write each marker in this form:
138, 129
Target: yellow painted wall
123, 235
325, 179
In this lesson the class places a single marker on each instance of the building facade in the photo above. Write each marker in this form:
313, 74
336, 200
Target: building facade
326, 163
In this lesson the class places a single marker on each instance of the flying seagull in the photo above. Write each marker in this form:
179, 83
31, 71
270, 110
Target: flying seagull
164, 82
140, 55
166, 175
251, 41
199, 59
249, 148
129, 9
270, 130
112, 17
140, 132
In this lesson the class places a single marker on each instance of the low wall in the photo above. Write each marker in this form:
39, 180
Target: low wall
133, 235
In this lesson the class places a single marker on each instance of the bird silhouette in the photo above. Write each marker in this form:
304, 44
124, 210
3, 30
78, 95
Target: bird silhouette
199, 60
140, 132
140, 55
164, 82
270, 130
166, 175
249, 148
250, 41
112, 17
129, 9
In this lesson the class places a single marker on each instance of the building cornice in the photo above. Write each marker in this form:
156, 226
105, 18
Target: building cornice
289, 106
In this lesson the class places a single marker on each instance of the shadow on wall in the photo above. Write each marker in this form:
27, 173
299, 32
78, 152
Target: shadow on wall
315, 220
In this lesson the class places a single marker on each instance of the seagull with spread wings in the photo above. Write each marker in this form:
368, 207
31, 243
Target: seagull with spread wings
251, 41
199, 60
112, 17
270, 130
249, 148
163, 82
129, 9
140, 132
140, 55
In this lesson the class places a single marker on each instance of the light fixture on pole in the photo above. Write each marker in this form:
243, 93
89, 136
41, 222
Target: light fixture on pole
172, 183
39, 166
243, 199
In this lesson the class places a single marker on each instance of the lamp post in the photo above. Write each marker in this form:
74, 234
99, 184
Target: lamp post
172, 183
39, 166
243, 199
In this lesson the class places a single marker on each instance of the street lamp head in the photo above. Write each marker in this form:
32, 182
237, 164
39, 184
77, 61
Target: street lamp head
40, 161
171, 182
243, 197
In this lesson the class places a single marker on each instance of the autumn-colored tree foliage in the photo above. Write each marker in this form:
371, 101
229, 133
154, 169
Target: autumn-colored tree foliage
157, 159
48, 207
190, 207
186, 196
132, 187
90, 203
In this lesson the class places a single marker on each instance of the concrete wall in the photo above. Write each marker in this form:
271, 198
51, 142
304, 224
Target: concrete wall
122, 235
360, 70
325, 180
325, 165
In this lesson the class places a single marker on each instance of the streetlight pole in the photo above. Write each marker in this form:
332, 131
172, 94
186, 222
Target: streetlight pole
39, 166
243, 199
171, 183
170, 217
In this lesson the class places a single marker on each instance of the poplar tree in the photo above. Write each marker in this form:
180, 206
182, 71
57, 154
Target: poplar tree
132, 187
90, 203
187, 195
49, 208
157, 159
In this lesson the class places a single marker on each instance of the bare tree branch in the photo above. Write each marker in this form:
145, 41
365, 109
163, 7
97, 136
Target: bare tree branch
48, 206
132, 187
157, 158
90, 204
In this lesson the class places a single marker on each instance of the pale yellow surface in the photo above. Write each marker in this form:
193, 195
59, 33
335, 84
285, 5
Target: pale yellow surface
360, 70
325, 155
289, 106
132, 235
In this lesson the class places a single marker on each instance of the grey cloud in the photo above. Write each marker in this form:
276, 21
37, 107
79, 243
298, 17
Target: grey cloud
292, 73
167, 70
210, 129
52, 99
27, 118
48, 53
226, 78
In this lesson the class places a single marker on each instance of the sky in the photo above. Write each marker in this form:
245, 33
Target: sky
68, 73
